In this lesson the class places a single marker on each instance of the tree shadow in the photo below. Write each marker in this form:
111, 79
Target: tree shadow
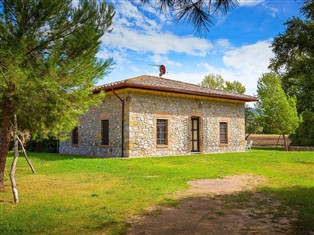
57, 157
279, 148
302, 200
280, 211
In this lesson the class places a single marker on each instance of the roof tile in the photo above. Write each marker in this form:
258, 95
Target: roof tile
168, 85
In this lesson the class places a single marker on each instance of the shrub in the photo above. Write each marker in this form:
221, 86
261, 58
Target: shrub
40, 144
304, 135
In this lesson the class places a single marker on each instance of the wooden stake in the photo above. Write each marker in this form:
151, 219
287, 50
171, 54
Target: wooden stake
25, 155
13, 166
278, 140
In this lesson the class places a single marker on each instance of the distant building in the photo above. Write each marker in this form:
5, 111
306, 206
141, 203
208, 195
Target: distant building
152, 116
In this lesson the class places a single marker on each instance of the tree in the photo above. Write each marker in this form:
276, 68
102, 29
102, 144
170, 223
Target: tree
294, 57
304, 135
213, 81
48, 64
216, 81
200, 13
252, 123
235, 87
277, 111
294, 63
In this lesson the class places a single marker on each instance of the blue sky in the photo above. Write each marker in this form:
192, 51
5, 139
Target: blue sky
236, 47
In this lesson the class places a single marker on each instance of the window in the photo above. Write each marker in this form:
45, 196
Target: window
162, 132
75, 136
104, 132
223, 133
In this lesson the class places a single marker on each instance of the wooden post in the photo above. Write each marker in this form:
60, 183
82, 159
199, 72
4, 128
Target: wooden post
25, 155
13, 166
278, 140
286, 144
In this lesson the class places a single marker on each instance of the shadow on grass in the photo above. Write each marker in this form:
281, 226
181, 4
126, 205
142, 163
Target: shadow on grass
302, 200
273, 148
57, 157
282, 211
262, 209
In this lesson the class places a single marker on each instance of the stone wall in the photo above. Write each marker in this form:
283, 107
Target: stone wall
141, 113
145, 109
90, 131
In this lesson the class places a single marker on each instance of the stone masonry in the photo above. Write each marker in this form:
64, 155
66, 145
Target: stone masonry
90, 131
142, 109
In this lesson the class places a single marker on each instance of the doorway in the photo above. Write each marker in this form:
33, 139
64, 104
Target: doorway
195, 134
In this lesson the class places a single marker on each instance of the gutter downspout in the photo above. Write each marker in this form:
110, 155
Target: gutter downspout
122, 122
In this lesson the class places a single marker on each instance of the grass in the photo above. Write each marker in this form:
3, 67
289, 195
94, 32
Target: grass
76, 195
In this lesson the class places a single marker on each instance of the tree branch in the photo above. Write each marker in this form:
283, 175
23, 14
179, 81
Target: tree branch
4, 77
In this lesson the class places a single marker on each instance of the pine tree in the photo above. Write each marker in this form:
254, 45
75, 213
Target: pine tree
200, 13
48, 64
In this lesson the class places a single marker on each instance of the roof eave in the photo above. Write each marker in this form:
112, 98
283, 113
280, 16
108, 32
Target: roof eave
130, 85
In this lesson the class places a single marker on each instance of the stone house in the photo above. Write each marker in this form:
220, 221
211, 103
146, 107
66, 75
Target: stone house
153, 116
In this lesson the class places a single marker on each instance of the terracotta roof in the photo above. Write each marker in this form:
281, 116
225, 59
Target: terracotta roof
167, 85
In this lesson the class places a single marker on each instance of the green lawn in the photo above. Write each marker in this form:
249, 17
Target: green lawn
75, 195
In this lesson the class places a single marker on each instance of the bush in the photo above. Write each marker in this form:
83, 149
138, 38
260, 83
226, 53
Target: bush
304, 135
41, 144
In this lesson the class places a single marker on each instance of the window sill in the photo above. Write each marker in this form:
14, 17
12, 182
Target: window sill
162, 146
103, 146
74, 145
224, 145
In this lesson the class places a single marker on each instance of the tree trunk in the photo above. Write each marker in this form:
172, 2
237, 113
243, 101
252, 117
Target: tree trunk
6, 131
25, 155
285, 141
13, 166
246, 137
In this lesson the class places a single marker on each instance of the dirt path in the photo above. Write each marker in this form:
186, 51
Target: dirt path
218, 206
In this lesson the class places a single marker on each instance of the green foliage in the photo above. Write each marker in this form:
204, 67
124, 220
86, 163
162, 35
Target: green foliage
294, 57
304, 135
252, 123
42, 144
213, 81
48, 60
65, 187
235, 87
277, 112
216, 81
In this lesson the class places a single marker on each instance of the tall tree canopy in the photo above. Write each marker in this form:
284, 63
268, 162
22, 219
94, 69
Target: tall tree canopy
48, 63
278, 112
216, 81
294, 57
200, 13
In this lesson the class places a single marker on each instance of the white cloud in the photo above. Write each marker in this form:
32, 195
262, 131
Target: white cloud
165, 16
249, 57
244, 64
271, 10
195, 78
75, 3
225, 43
159, 59
133, 30
143, 42
250, 3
